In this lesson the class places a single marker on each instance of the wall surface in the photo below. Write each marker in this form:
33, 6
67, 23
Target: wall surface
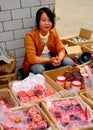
16, 18
71, 15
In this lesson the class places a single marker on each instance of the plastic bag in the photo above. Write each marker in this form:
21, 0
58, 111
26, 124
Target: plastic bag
14, 119
69, 110
88, 82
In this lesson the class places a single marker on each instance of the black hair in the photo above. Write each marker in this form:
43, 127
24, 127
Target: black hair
48, 12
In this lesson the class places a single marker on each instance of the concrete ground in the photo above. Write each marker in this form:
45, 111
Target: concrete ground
72, 15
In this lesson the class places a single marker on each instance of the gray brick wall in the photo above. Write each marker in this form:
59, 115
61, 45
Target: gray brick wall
16, 18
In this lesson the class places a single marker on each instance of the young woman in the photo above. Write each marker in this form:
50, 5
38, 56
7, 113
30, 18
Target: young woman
44, 49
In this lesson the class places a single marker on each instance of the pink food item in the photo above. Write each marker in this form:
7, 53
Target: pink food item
37, 117
24, 99
38, 87
22, 93
42, 124
33, 98
30, 93
32, 111
32, 126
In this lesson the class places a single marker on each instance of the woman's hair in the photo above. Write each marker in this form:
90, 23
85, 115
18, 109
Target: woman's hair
48, 12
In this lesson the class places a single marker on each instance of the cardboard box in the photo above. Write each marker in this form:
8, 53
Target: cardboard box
52, 75
7, 68
7, 96
25, 109
83, 38
48, 84
88, 47
86, 99
5, 79
66, 43
51, 117
75, 52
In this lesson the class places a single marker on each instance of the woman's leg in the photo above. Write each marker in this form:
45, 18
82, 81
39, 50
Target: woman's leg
37, 68
67, 61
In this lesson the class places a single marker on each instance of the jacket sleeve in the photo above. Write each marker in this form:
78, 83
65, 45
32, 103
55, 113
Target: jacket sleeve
30, 48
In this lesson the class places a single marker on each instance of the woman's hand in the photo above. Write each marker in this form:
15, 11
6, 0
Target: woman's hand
56, 61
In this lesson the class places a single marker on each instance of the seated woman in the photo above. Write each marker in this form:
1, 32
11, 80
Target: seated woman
44, 49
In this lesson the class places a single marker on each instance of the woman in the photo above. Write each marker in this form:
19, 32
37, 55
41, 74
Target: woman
44, 49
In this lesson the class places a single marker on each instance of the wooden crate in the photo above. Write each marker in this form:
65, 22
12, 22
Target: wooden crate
40, 111
5, 79
52, 75
7, 96
7, 68
44, 107
48, 83
86, 99
88, 47
84, 33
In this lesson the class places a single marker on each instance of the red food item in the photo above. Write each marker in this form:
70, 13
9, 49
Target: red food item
5, 126
59, 120
33, 98
25, 114
10, 129
9, 105
30, 93
38, 87
37, 117
42, 124
25, 99
66, 119
2, 102
32, 126
57, 109
22, 93
58, 103
32, 111
38, 92
41, 96
18, 129
47, 89
50, 93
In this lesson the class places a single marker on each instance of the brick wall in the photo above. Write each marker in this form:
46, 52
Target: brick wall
16, 18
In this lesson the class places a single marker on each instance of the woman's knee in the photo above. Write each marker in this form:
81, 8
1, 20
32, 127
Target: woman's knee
37, 68
67, 61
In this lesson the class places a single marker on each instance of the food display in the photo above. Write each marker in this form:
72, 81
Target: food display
68, 113
26, 118
32, 89
34, 94
73, 75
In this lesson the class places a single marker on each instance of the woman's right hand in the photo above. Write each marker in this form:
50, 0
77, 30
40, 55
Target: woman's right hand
55, 61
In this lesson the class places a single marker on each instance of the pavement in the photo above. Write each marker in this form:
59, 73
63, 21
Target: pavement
72, 15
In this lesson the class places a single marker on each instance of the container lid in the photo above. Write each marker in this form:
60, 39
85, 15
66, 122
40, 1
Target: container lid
61, 78
76, 83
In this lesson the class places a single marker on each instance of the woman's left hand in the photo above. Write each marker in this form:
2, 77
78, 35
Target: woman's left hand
57, 61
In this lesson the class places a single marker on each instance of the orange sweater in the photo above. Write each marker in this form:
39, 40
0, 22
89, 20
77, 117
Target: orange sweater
34, 46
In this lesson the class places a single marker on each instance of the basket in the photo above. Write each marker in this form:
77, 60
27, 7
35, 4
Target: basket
84, 33
40, 111
7, 96
86, 99
5, 79
44, 107
37, 100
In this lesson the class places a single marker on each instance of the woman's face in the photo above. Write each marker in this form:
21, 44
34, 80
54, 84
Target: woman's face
45, 24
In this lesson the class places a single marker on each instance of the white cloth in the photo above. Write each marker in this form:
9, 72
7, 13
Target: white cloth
46, 51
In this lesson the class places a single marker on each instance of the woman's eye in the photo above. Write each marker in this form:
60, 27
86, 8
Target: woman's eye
43, 20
